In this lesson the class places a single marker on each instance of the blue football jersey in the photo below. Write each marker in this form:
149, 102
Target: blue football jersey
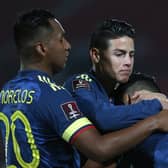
39, 120
94, 102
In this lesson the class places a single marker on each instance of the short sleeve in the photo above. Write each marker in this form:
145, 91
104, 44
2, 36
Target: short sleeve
61, 111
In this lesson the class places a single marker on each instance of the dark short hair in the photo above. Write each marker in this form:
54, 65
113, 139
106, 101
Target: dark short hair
136, 82
110, 29
30, 27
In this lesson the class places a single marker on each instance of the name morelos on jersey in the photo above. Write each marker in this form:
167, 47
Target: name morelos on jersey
39, 114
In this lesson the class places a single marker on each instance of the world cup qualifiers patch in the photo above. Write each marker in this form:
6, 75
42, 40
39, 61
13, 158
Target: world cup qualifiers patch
71, 110
79, 83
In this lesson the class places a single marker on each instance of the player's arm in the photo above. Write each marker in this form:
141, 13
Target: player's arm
76, 129
148, 95
105, 147
107, 116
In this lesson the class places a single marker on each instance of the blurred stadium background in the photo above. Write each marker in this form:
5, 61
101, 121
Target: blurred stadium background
80, 18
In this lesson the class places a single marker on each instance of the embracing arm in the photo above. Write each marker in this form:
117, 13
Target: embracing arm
149, 95
105, 147
107, 116
94, 103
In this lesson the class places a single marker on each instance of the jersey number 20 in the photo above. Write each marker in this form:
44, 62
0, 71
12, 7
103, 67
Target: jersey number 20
30, 139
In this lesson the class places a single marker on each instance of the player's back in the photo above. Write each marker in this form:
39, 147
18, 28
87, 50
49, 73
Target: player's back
32, 136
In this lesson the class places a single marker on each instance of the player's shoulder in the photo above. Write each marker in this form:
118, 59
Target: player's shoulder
42, 83
49, 86
82, 76
20, 89
21, 82
82, 80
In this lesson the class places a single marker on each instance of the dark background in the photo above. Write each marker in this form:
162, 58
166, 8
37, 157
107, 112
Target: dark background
79, 18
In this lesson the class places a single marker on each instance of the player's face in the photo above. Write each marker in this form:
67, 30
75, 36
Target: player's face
58, 47
117, 61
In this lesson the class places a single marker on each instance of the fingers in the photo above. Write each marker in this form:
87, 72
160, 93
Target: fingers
135, 95
135, 98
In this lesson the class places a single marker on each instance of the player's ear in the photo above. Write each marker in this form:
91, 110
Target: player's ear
40, 48
126, 99
94, 55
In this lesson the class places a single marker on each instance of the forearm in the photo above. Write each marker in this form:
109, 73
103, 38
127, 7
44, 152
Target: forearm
127, 138
118, 117
109, 117
105, 147
149, 95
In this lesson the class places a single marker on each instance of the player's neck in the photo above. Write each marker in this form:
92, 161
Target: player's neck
36, 66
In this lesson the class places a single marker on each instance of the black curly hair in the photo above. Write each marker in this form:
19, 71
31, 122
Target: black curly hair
110, 29
30, 27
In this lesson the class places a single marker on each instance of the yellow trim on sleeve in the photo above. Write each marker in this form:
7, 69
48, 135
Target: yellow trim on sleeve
76, 125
